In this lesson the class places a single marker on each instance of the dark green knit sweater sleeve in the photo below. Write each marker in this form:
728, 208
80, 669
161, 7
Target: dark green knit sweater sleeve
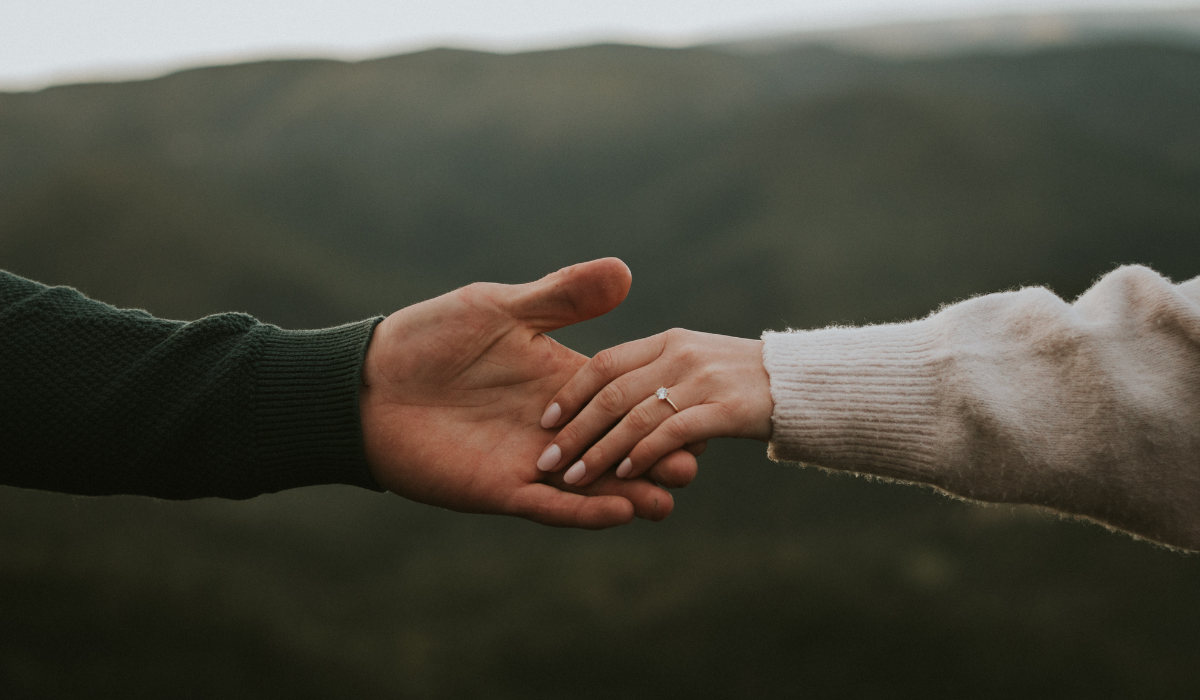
97, 400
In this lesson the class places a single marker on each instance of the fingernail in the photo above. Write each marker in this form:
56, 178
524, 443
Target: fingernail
625, 468
549, 458
575, 473
551, 416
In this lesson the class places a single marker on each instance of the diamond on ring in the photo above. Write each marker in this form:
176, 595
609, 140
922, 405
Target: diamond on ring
662, 396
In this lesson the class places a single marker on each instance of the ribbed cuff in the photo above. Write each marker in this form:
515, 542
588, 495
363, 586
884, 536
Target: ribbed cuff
856, 399
306, 407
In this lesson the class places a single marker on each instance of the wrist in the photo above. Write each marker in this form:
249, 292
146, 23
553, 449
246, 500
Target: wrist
307, 421
372, 411
760, 405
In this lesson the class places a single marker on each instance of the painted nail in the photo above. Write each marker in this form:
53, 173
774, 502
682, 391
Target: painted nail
549, 458
625, 468
551, 416
575, 473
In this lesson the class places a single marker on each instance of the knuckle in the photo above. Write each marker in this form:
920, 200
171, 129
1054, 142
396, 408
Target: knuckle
678, 430
604, 363
723, 412
611, 399
595, 455
675, 335
466, 295
643, 454
705, 375
479, 295
569, 437
689, 352
639, 421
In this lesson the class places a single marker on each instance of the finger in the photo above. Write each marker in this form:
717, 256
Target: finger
696, 448
547, 505
674, 471
573, 294
598, 373
688, 426
628, 403
650, 501
635, 424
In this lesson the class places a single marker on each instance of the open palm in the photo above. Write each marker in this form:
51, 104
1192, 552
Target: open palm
454, 389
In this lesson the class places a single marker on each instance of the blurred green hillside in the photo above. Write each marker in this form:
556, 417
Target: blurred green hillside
796, 187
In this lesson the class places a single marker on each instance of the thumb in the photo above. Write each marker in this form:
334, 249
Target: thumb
571, 295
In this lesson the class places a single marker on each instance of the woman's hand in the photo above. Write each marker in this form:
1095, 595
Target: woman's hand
718, 384
450, 398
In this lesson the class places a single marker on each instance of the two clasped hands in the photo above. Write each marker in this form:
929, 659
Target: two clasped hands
467, 404
1090, 409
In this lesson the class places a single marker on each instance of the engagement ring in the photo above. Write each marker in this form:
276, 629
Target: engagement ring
662, 396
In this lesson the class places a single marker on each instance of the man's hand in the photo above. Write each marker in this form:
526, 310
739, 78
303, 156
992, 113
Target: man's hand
453, 391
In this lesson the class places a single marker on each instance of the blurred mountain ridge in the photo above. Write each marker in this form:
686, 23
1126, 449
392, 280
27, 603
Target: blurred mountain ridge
999, 32
434, 169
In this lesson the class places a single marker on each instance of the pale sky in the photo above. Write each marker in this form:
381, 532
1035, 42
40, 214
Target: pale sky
50, 41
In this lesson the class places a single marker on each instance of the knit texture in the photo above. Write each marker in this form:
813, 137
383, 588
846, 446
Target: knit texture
96, 400
1091, 409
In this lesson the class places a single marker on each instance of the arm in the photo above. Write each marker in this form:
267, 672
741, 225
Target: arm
1092, 409
98, 400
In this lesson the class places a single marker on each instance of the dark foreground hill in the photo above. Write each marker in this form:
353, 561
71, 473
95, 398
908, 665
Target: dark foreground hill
798, 188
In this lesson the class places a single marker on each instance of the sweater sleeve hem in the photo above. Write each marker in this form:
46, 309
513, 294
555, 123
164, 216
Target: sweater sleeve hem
308, 430
856, 399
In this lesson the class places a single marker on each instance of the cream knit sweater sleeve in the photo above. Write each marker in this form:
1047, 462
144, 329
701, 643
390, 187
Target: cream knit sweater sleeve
1091, 408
